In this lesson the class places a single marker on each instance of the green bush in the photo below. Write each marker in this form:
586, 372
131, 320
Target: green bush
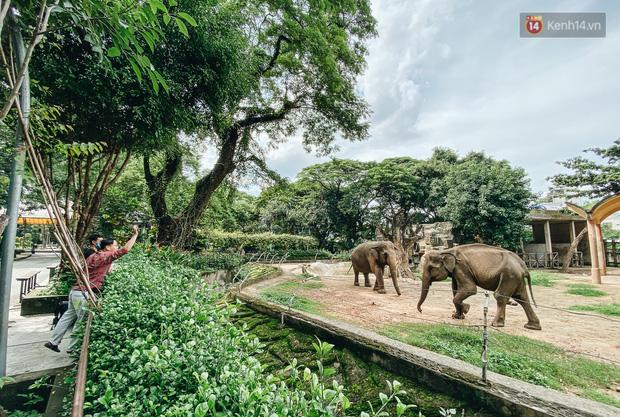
163, 345
259, 242
203, 262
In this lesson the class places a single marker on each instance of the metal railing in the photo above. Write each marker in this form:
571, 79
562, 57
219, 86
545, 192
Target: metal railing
549, 260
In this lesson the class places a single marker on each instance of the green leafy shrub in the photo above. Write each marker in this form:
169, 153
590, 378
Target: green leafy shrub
205, 262
259, 242
163, 345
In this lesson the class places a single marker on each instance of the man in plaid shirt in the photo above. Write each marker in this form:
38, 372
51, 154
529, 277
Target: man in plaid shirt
98, 265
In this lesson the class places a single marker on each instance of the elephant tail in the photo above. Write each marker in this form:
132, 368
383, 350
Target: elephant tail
529, 284
350, 268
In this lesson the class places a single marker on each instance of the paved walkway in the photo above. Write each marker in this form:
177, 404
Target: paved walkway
27, 334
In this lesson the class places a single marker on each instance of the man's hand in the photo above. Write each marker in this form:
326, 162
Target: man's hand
134, 230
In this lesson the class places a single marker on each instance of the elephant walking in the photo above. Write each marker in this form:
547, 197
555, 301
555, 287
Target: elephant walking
488, 267
374, 257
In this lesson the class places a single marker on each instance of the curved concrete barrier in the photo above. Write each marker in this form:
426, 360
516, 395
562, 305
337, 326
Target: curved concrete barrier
507, 396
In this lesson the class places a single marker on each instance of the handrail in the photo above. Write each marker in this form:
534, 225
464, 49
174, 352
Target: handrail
77, 410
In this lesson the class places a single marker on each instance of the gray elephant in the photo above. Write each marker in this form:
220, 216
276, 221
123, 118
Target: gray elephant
488, 267
373, 257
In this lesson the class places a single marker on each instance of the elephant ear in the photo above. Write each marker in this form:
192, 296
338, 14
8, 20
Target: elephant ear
380, 249
449, 261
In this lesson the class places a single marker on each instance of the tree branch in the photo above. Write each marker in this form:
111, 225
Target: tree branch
276, 53
44, 15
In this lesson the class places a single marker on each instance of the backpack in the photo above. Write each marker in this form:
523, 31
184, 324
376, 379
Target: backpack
61, 307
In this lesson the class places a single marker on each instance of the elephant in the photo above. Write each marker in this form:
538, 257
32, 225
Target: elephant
478, 265
373, 257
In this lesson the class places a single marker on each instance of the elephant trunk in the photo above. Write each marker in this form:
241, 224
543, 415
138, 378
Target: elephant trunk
394, 275
426, 283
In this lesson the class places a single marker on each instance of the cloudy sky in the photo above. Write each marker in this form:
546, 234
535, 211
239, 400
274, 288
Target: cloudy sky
457, 74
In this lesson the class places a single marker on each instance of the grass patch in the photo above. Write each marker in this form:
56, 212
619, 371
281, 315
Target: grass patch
516, 356
285, 294
606, 309
585, 290
543, 278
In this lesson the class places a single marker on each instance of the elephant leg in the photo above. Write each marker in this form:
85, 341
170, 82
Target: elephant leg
366, 280
461, 292
502, 295
356, 281
532, 319
379, 282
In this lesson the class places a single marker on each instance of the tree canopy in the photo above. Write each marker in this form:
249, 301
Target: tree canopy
295, 68
343, 202
597, 177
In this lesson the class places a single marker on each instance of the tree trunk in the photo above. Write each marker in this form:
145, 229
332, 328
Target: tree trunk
571, 250
177, 231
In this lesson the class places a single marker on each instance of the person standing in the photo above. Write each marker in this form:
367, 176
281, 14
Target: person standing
94, 244
98, 265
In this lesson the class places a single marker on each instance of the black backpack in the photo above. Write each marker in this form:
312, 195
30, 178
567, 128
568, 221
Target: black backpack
61, 307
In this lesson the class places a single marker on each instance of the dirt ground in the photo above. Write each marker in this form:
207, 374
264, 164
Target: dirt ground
580, 333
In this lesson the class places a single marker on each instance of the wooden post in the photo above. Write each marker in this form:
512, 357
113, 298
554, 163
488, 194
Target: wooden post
548, 246
614, 252
601, 249
592, 241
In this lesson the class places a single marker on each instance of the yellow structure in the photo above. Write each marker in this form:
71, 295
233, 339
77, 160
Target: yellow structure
594, 217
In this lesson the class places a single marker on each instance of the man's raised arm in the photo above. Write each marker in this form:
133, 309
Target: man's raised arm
132, 239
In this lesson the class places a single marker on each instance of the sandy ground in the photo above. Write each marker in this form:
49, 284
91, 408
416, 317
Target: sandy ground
585, 334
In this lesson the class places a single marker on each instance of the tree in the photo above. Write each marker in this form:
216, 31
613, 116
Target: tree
111, 116
296, 68
335, 194
590, 177
568, 256
486, 200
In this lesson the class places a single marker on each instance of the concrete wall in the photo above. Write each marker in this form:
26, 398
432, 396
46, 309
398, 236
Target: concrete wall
506, 396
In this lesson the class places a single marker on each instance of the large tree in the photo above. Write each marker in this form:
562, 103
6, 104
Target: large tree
112, 113
295, 70
592, 177
486, 200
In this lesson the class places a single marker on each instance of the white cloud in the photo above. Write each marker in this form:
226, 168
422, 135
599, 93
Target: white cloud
456, 74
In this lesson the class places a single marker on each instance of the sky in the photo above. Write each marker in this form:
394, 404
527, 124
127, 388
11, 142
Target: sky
456, 74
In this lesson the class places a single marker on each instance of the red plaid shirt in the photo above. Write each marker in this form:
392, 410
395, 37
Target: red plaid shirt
99, 265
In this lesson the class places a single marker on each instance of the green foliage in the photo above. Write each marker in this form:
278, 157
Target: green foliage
128, 24
593, 178
259, 242
342, 202
606, 309
585, 290
19, 413
486, 200
287, 66
609, 233
516, 356
201, 262
163, 345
